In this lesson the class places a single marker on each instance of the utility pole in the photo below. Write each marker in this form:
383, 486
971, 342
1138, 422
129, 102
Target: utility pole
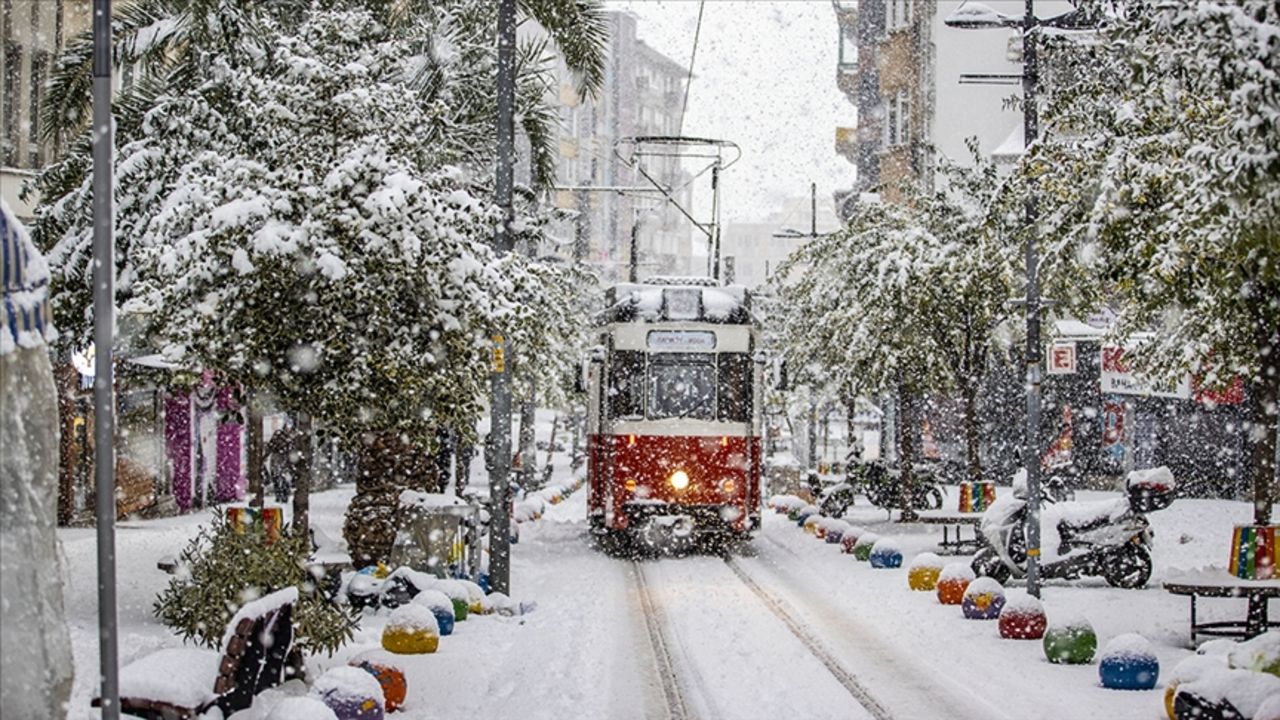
1033, 304
104, 418
633, 263
500, 383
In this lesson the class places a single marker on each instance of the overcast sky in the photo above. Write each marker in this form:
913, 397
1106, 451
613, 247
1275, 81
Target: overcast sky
764, 77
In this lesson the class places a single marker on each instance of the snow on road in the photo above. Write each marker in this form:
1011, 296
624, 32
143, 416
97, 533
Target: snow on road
585, 651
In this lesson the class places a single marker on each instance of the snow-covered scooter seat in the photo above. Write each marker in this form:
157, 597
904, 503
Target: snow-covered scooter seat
179, 683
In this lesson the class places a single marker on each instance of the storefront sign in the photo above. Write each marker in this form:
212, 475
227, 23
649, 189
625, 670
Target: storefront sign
1117, 379
1061, 359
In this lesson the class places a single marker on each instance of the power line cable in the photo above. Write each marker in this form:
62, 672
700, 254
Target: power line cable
697, 30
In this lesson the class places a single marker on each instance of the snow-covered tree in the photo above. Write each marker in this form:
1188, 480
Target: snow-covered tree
1160, 168
906, 298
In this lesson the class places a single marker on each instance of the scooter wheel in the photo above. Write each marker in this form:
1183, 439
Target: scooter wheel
987, 563
1129, 568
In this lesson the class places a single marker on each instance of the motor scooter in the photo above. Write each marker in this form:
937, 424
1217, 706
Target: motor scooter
1107, 538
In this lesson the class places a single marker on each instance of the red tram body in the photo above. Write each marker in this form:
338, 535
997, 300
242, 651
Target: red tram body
674, 421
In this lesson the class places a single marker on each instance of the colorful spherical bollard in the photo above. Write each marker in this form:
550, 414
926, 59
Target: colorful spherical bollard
1128, 663
441, 606
411, 630
810, 524
301, 706
1022, 618
862, 548
835, 531
351, 693
885, 554
850, 539
983, 599
1070, 642
390, 677
952, 582
922, 575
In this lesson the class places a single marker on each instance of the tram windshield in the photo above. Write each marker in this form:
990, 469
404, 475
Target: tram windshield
682, 386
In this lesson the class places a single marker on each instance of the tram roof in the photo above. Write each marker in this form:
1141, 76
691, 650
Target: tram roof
671, 300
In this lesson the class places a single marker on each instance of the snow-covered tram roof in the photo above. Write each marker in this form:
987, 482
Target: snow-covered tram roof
677, 300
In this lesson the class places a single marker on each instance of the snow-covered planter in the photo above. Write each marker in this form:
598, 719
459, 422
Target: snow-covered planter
952, 583
411, 630
1070, 641
1128, 663
862, 548
885, 553
1022, 618
351, 693
922, 574
983, 599
440, 605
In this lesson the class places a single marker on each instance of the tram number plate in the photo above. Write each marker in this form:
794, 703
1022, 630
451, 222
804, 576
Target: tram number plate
681, 340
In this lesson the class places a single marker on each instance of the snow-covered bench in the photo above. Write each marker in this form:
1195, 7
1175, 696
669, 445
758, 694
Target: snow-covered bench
179, 683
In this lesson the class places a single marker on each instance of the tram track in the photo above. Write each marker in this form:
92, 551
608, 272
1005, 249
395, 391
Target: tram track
655, 625
812, 643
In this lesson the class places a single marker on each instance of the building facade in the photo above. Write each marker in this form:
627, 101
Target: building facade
642, 96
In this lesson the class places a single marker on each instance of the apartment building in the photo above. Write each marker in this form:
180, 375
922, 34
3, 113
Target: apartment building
642, 96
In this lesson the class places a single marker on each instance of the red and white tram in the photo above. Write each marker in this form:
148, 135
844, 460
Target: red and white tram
674, 412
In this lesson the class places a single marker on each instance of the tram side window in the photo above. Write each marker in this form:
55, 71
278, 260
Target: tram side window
626, 384
735, 387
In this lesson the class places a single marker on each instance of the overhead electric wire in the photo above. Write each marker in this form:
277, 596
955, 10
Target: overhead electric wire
697, 30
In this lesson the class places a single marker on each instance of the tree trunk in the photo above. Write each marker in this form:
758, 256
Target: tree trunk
386, 465
906, 451
972, 438
302, 475
1266, 409
256, 486
551, 443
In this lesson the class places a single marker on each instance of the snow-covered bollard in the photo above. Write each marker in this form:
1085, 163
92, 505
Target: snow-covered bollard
1022, 618
952, 582
440, 605
862, 548
475, 596
803, 514
411, 630
885, 554
850, 539
1070, 641
388, 675
983, 599
1128, 663
835, 531
303, 707
922, 574
351, 693
810, 524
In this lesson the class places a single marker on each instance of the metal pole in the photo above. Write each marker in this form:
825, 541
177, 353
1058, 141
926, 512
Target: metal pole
1032, 451
104, 265
813, 210
715, 220
500, 406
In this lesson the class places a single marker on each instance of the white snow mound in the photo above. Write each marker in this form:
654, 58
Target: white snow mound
984, 586
434, 600
1129, 646
302, 708
413, 617
927, 560
1021, 603
956, 571
349, 683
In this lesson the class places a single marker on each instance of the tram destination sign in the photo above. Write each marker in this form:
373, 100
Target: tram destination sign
702, 340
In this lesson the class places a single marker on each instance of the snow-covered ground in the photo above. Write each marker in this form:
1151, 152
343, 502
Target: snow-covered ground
586, 650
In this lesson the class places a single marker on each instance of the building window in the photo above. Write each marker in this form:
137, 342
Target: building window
848, 46
898, 15
898, 119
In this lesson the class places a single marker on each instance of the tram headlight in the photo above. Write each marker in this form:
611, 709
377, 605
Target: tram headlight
679, 480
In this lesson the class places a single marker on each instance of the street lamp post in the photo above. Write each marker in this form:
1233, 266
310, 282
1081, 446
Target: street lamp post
980, 16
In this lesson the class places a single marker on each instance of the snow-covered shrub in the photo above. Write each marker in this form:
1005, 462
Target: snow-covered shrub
223, 568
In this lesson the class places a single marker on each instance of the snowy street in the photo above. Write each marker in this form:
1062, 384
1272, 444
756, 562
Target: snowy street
788, 626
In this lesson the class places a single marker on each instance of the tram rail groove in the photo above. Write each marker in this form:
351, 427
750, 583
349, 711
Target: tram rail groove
813, 644
677, 709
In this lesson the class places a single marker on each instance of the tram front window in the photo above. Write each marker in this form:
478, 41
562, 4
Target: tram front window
682, 386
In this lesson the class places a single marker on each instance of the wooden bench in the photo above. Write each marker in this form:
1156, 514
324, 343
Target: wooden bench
180, 683
1221, 585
